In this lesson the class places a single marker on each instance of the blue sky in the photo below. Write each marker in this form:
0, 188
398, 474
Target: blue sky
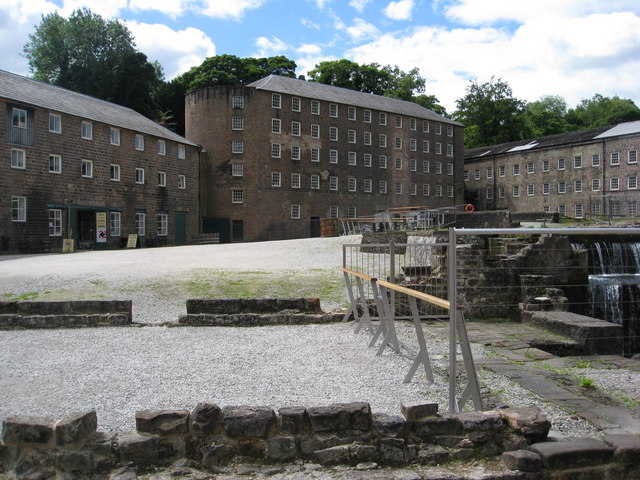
572, 48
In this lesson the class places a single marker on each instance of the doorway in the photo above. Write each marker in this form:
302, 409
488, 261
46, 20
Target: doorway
86, 226
237, 231
315, 227
181, 228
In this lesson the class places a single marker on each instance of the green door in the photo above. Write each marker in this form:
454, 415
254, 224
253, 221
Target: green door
181, 228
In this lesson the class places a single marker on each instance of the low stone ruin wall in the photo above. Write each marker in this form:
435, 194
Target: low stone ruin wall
75, 313
338, 434
253, 312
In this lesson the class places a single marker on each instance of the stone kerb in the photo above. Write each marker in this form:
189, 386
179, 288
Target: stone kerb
60, 314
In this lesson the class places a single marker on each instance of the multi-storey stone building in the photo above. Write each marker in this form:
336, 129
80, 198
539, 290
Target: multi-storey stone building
283, 153
77, 167
587, 173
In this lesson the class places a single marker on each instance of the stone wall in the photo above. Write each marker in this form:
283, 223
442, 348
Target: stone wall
75, 313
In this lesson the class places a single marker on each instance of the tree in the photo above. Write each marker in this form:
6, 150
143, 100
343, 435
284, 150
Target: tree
91, 55
491, 114
547, 116
601, 111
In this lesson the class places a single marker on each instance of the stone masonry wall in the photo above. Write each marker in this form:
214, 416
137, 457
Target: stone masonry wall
75, 313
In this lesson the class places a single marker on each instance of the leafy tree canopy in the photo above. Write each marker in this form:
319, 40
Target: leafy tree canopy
547, 116
88, 54
601, 111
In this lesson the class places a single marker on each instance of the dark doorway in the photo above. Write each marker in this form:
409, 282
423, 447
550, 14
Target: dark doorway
181, 228
237, 229
221, 226
315, 227
86, 226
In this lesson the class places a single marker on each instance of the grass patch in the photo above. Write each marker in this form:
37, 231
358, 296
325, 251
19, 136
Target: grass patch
10, 297
583, 364
586, 382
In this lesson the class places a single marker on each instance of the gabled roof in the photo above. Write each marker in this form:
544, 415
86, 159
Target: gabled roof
320, 91
550, 141
32, 92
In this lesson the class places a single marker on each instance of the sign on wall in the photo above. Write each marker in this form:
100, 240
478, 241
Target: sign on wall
101, 227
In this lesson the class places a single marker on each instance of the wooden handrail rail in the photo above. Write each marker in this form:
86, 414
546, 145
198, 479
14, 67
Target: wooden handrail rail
414, 293
364, 276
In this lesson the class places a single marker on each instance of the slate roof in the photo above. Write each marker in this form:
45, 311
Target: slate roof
32, 92
320, 91
551, 141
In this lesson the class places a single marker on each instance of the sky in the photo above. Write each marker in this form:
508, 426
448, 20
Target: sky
571, 48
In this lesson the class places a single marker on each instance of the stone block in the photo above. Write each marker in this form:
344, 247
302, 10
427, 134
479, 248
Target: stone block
446, 424
215, 455
573, 453
340, 417
389, 425
162, 422
391, 455
135, 448
246, 422
418, 411
338, 455
34, 465
626, 447
313, 443
292, 420
78, 461
529, 422
432, 455
281, 449
481, 421
76, 428
523, 460
206, 419
27, 430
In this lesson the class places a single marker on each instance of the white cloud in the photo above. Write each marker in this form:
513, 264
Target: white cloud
171, 8
362, 30
400, 10
270, 47
107, 9
309, 24
228, 8
309, 56
177, 51
359, 5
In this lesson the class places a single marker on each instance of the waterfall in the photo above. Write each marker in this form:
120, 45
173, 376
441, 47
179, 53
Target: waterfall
614, 288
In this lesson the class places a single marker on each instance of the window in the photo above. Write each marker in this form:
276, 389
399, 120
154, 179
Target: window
562, 210
450, 169
579, 210
18, 159
333, 110
398, 143
562, 187
295, 129
382, 140
516, 190
502, 171
351, 136
140, 224
114, 136
561, 164
502, 192
438, 168
382, 161
295, 180
315, 154
139, 142
614, 183
425, 166
19, 117
315, 131
182, 152
333, 156
367, 116
161, 147
545, 165
351, 113
449, 130
488, 194
295, 211
295, 104
438, 190
333, 211
86, 168
546, 188
333, 183
577, 161
163, 223
438, 149
413, 144
55, 222
489, 172
632, 182
450, 191
412, 124
425, 126
367, 138
55, 123
238, 102
632, 209
615, 158
353, 159
275, 150
449, 150
595, 160
276, 100
398, 164
476, 174
531, 167
275, 179
413, 165
382, 118
162, 179
87, 130
351, 211
596, 207
237, 169
367, 185
425, 146
531, 190
398, 188
632, 156
114, 224
438, 129
276, 125
55, 164
413, 189
333, 134
577, 185
382, 186
295, 152
315, 107
352, 184
398, 121
466, 175
615, 207
114, 172
237, 146
237, 196
182, 182
595, 184
237, 123
516, 169
426, 189
315, 182
140, 175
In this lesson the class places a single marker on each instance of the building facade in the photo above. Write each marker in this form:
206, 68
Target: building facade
77, 167
280, 154
590, 173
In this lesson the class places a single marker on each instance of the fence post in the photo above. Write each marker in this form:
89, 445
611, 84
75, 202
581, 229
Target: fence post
392, 272
453, 311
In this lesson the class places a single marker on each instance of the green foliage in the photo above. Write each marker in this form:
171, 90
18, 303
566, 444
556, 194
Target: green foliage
583, 364
586, 382
547, 116
600, 111
91, 55
19, 298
